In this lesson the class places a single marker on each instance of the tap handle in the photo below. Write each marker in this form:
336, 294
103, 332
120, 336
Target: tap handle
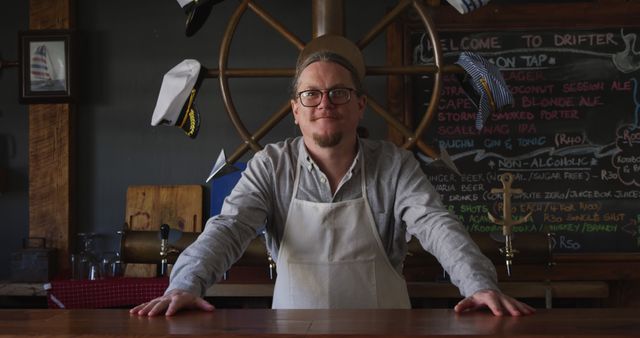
164, 231
163, 268
272, 267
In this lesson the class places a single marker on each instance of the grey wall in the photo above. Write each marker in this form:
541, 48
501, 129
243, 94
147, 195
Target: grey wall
14, 213
125, 48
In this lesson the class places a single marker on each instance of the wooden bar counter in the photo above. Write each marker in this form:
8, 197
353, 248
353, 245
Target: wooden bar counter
314, 323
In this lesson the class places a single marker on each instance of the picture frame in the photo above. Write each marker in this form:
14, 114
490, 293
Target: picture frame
46, 66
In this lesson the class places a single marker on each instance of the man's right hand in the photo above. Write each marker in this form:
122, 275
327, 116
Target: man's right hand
172, 302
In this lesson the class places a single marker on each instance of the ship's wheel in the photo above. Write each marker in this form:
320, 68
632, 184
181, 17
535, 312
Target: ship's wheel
328, 18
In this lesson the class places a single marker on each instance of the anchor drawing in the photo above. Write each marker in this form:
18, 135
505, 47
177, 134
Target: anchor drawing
507, 222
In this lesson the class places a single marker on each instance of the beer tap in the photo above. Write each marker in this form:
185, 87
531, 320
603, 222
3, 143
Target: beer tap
272, 267
163, 267
507, 222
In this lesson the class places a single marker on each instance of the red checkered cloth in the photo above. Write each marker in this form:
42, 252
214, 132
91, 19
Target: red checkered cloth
103, 293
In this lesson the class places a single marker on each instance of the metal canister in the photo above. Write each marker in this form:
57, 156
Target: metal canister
34, 262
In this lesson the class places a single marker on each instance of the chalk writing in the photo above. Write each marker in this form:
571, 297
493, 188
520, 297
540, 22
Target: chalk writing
571, 139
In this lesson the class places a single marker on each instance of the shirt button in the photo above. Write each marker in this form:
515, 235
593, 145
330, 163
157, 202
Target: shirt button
322, 179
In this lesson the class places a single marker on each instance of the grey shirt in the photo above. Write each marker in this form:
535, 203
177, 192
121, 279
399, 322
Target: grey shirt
402, 201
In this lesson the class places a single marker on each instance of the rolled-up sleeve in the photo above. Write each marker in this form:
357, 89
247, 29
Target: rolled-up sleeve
440, 232
226, 236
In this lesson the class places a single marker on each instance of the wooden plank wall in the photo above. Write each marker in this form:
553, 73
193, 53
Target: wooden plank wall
51, 144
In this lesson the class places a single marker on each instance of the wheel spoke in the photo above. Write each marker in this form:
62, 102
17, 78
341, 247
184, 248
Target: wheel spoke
404, 130
237, 122
413, 70
428, 150
252, 72
413, 137
394, 122
261, 132
383, 23
373, 71
271, 21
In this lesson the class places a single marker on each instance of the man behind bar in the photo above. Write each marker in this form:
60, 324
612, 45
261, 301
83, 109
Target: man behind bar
336, 209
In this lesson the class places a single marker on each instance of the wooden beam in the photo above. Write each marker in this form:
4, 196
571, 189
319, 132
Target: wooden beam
507, 15
51, 177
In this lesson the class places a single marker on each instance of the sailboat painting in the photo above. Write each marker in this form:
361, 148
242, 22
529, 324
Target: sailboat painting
47, 66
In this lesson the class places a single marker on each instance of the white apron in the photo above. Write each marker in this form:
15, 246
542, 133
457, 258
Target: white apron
331, 256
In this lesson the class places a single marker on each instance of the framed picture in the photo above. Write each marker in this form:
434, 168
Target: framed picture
46, 68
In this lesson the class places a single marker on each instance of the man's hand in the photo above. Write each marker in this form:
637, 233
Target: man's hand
499, 303
170, 303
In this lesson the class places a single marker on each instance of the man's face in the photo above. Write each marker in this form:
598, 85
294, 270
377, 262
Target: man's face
327, 124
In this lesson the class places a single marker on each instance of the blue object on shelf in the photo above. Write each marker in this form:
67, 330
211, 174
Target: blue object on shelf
221, 188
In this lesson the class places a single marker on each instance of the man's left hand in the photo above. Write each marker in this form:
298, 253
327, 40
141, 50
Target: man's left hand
499, 303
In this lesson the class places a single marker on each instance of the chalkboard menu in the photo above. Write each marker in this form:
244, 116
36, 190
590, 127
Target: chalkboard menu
571, 138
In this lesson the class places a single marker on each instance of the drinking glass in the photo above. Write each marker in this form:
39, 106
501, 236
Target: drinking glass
85, 263
111, 265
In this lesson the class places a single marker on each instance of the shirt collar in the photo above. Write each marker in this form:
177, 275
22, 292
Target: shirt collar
309, 164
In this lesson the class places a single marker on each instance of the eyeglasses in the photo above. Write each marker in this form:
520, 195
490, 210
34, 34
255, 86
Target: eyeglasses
313, 97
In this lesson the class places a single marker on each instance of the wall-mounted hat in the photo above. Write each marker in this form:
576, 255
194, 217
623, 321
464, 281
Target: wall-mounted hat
484, 85
339, 45
175, 105
197, 13
466, 6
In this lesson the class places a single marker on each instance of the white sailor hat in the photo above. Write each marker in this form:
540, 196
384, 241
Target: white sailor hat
484, 85
466, 6
175, 105
197, 12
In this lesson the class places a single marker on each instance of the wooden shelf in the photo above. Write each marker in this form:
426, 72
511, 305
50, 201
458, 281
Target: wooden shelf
22, 289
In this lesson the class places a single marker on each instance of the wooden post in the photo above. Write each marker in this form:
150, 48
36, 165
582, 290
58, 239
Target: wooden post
51, 144
328, 17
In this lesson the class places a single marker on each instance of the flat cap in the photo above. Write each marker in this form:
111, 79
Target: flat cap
339, 45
